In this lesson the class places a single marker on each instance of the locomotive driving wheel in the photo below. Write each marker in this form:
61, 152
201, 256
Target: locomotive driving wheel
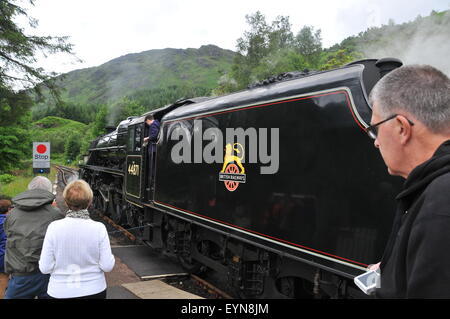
115, 208
130, 216
184, 254
99, 203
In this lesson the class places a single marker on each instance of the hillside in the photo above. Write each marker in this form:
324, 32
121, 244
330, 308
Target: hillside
57, 131
153, 69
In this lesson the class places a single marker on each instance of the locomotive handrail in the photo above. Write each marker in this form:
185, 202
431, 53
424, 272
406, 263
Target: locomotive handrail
103, 169
108, 148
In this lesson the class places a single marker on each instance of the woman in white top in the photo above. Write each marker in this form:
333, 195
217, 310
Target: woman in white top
76, 250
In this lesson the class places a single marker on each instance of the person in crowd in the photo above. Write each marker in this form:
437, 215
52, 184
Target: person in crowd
5, 206
25, 228
76, 250
411, 128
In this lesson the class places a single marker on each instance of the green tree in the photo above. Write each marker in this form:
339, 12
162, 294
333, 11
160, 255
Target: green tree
258, 46
127, 107
99, 124
279, 62
14, 121
280, 36
308, 42
254, 45
72, 146
225, 85
18, 50
18, 70
340, 58
270, 49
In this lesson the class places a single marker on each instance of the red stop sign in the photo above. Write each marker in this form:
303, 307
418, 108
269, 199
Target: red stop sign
41, 149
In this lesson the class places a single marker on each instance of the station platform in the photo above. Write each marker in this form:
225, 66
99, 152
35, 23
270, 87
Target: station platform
137, 275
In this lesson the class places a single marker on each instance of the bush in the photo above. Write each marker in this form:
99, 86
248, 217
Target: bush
6, 178
72, 146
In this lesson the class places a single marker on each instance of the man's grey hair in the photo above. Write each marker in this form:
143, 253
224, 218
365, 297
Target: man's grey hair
41, 182
420, 90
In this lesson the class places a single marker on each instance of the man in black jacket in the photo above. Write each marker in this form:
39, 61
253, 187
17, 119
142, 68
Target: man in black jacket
152, 132
152, 129
411, 127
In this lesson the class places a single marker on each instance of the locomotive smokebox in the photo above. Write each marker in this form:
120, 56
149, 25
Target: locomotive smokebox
386, 65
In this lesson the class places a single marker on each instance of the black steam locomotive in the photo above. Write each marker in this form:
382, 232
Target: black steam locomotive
276, 187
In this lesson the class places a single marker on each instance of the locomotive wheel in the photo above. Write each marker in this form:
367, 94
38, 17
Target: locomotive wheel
130, 216
287, 286
99, 203
116, 212
193, 267
186, 260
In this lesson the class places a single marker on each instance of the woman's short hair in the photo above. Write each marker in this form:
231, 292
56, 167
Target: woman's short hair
78, 195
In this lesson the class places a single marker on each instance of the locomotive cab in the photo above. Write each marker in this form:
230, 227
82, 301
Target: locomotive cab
140, 165
134, 170
139, 162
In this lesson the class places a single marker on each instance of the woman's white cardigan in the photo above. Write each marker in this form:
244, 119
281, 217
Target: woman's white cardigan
76, 253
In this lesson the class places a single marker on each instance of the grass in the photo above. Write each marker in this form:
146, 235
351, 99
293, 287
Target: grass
21, 180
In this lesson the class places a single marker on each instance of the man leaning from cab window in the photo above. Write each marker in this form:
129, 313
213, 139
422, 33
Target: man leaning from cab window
152, 129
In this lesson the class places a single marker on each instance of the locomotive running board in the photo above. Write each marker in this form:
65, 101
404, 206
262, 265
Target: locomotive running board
274, 240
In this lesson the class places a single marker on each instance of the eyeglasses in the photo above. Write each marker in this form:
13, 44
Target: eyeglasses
372, 130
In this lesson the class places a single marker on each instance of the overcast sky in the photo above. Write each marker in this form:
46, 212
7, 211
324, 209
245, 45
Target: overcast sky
102, 30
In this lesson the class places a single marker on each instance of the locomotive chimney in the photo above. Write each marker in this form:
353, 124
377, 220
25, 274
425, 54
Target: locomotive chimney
110, 129
386, 65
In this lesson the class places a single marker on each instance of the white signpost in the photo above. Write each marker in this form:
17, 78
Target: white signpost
41, 157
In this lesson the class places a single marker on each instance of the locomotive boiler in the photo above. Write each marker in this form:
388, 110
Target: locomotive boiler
276, 187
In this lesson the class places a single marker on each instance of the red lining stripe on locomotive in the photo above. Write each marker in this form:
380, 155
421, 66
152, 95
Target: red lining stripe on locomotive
264, 235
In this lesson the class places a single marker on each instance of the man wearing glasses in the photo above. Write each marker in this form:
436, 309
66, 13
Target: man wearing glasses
410, 126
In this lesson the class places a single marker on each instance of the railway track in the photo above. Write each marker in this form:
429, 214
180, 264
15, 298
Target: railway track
66, 174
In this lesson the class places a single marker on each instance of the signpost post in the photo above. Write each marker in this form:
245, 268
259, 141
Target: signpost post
41, 157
